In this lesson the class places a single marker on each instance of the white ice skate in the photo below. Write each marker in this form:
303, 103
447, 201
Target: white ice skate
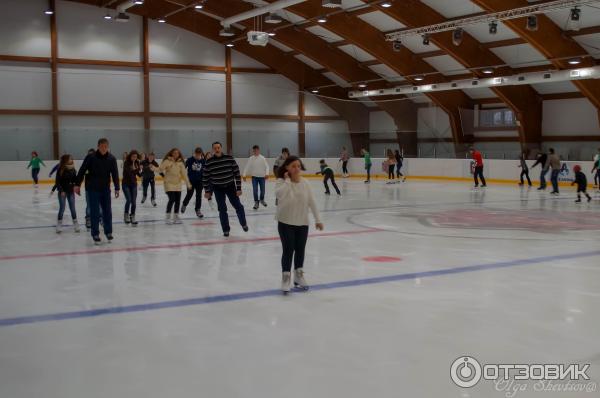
299, 281
76, 226
176, 219
286, 281
59, 226
168, 219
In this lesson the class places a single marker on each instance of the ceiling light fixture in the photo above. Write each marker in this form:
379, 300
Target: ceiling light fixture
425, 39
273, 18
493, 27
532, 23
161, 20
488, 71
332, 3
229, 44
574, 61
419, 78
227, 32
457, 36
49, 11
387, 4
108, 17
321, 20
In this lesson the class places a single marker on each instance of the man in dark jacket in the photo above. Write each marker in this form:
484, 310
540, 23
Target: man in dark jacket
542, 160
100, 167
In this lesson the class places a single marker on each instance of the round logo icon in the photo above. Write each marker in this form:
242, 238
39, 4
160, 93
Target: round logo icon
465, 372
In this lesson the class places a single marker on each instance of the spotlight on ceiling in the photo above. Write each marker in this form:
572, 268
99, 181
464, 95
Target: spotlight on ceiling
138, 2
161, 20
425, 39
229, 44
532, 23
397, 45
493, 27
227, 32
49, 11
575, 19
387, 4
199, 6
314, 91
574, 61
457, 36
321, 20
487, 71
273, 18
107, 16
121, 17
362, 85
271, 34
419, 78
332, 3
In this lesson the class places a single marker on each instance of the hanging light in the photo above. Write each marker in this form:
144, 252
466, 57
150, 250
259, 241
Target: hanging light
107, 16
575, 19
387, 4
49, 11
457, 36
493, 27
532, 23
419, 78
362, 85
314, 91
227, 32
273, 18
574, 61
321, 20
138, 2
229, 44
271, 34
488, 71
425, 39
161, 20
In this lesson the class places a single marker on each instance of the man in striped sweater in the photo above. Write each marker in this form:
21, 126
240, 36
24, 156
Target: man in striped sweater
222, 176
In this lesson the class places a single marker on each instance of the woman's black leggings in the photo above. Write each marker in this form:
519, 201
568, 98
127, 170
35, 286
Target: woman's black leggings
345, 166
391, 168
525, 173
293, 240
174, 200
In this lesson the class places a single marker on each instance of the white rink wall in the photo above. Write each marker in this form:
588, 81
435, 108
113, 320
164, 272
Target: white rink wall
16, 171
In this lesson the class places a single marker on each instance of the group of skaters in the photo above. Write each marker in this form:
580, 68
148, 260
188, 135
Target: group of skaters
548, 162
214, 172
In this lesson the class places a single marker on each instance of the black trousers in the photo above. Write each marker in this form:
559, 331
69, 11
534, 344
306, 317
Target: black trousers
525, 173
174, 201
391, 168
293, 240
145, 183
345, 166
196, 187
332, 178
479, 173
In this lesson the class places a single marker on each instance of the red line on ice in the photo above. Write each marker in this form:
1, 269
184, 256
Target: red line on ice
178, 245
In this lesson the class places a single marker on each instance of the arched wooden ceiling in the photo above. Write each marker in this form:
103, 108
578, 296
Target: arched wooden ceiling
550, 40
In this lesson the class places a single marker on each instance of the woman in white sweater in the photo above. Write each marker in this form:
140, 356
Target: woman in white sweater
295, 198
173, 168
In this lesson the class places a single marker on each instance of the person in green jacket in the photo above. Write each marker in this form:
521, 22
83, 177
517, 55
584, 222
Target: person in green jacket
368, 164
35, 163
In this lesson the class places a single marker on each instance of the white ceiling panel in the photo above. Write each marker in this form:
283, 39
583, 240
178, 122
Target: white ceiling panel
336, 79
453, 8
324, 34
482, 34
591, 43
351, 4
280, 46
386, 72
520, 55
415, 44
309, 61
556, 87
590, 16
357, 53
381, 21
446, 64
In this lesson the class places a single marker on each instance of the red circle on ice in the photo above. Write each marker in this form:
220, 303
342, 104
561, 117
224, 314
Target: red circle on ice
382, 259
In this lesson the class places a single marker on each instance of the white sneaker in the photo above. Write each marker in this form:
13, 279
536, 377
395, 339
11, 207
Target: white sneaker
299, 280
168, 219
176, 219
76, 226
58, 226
286, 281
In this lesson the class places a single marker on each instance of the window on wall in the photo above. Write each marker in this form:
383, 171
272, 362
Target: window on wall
497, 118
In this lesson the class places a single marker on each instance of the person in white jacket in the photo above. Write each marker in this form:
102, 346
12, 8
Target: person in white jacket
258, 168
295, 198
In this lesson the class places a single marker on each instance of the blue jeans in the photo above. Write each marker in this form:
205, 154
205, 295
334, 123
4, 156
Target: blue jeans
554, 180
368, 168
130, 193
229, 192
543, 178
34, 175
100, 201
256, 183
69, 197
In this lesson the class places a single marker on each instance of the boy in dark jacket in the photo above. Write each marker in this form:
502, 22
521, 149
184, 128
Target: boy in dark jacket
149, 165
581, 181
65, 182
195, 165
327, 174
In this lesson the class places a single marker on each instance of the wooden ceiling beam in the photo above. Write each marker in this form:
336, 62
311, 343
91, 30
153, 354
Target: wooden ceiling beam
523, 99
551, 41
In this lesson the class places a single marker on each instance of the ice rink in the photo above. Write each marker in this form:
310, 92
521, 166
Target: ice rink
405, 279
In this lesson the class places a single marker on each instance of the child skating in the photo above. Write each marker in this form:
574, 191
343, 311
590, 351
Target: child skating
581, 181
35, 163
132, 169
295, 198
194, 165
149, 167
66, 181
328, 174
